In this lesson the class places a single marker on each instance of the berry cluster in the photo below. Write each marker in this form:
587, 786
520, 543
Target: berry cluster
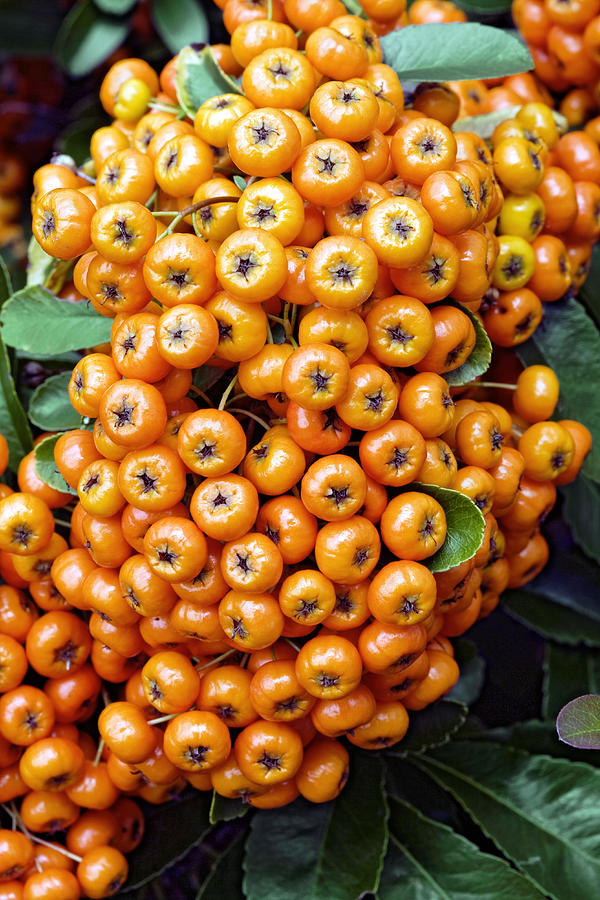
245, 581
563, 37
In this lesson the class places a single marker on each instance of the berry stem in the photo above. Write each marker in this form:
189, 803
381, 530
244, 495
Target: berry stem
162, 719
495, 384
251, 415
188, 211
38, 840
165, 107
240, 396
57, 847
98, 755
10, 811
62, 522
85, 176
227, 392
199, 393
151, 198
269, 333
292, 644
197, 231
217, 659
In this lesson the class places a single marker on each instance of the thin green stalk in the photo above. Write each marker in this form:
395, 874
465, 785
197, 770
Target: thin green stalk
217, 659
227, 392
199, 393
164, 107
240, 396
162, 719
189, 210
251, 415
98, 755
495, 384
38, 840
63, 522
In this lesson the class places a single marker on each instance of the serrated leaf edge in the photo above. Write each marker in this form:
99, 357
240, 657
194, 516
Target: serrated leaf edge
424, 762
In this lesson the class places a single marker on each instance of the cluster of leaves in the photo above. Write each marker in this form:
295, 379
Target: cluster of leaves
562, 603
93, 29
440, 816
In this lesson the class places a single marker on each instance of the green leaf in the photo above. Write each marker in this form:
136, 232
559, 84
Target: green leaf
480, 358
75, 139
5, 283
535, 736
225, 879
45, 270
465, 526
567, 325
431, 727
581, 512
354, 8
485, 124
86, 38
589, 292
17, 30
457, 51
568, 672
406, 782
50, 408
223, 809
45, 466
484, 7
571, 579
206, 377
325, 851
543, 813
472, 672
13, 421
551, 620
180, 23
38, 322
578, 723
239, 182
431, 861
171, 830
198, 77
115, 7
